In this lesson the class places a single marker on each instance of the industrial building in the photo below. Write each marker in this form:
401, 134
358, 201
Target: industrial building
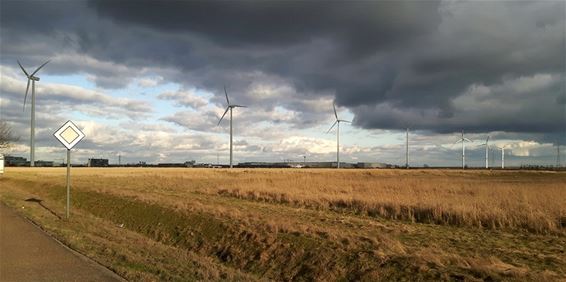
97, 163
15, 161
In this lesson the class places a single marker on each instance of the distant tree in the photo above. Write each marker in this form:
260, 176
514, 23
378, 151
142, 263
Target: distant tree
6, 136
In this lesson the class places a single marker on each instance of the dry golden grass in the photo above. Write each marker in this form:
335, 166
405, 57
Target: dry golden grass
510, 199
244, 224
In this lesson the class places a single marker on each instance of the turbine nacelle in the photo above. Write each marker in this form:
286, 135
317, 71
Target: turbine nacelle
31, 77
229, 107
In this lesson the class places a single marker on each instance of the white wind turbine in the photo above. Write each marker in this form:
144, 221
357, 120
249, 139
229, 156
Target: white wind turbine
486, 152
304, 156
407, 148
31, 77
558, 164
463, 140
337, 122
229, 107
502, 148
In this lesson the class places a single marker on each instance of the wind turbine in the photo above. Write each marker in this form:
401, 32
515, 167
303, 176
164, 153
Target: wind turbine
558, 164
486, 152
407, 149
337, 122
31, 77
229, 107
502, 148
304, 156
463, 140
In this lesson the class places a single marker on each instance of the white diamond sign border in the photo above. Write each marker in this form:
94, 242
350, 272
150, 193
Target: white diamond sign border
69, 146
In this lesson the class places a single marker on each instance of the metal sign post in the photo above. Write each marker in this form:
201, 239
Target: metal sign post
69, 135
67, 211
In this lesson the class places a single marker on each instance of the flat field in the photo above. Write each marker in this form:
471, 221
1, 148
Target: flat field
304, 224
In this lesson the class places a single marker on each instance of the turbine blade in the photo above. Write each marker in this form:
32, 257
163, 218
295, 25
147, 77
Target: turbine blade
227, 100
23, 69
345, 121
460, 140
332, 126
39, 68
26, 96
487, 140
468, 140
239, 106
223, 115
335, 114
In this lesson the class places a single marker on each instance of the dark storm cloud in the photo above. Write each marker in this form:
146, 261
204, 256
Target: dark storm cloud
392, 63
361, 25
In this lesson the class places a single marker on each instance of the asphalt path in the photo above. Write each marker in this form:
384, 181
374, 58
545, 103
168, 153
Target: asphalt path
28, 254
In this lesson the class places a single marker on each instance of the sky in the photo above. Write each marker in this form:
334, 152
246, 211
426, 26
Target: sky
145, 79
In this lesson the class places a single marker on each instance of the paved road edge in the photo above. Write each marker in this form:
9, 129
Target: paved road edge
78, 254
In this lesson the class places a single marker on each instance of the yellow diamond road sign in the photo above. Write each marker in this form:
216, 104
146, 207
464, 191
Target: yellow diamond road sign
69, 135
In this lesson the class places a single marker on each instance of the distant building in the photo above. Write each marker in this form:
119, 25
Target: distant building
44, 163
15, 161
372, 165
185, 164
97, 162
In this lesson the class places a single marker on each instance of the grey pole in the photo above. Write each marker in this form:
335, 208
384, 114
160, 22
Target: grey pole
486, 155
503, 157
407, 149
558, 164
338, 145
463, 152
304, 161
32, 132
230, 137
68, 182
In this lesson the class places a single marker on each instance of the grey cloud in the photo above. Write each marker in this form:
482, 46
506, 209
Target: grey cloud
184, 98
391, 63
415, 63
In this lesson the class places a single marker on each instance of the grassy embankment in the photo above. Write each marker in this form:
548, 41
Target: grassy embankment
178, 224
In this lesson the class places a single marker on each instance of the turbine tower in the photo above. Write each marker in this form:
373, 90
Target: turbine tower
304, 156
407, 149
502, 148
463, 140
558, 164
486, 152
229, 107
337, 122
31, 77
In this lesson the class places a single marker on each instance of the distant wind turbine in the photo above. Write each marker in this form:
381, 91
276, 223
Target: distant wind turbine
486, 152
502, 148
31, 77
558, 164
304, 156
337, 122
229, 107
463, 140
407, 149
